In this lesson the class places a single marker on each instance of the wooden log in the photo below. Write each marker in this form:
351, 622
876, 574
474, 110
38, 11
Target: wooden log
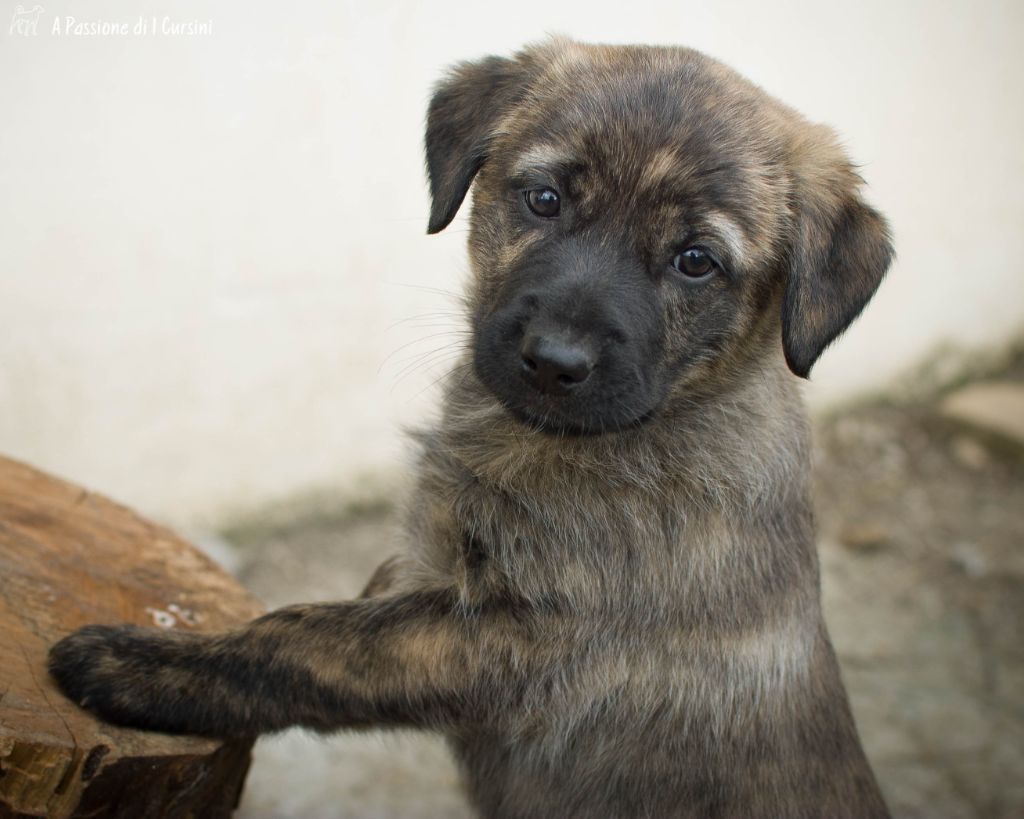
69, 557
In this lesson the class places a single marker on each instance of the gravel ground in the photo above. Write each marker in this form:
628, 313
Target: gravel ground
920, 531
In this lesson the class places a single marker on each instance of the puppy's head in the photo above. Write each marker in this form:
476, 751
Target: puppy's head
644, 222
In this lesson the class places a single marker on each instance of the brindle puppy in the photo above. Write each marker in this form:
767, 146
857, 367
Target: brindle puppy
609, 603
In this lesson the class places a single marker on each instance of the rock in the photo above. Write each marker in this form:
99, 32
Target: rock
970, 559
863, 537
993, 407
968, 452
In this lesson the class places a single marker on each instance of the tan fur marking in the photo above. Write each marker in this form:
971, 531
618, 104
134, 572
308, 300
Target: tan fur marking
662, 164
730, 233
538, 156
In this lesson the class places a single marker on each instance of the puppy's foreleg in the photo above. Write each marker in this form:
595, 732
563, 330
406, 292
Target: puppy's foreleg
408, 659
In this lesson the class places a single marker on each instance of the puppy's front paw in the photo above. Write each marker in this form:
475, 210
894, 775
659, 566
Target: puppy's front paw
113, 670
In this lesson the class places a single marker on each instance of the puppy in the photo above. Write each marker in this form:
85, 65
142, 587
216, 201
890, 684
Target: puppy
609, 601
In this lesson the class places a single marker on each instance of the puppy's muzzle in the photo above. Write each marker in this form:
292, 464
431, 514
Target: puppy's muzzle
572, 344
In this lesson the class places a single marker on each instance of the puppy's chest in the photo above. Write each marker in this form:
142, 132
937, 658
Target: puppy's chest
569, 540
573, 519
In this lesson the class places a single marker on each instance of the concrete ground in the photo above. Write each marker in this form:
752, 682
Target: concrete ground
921, 521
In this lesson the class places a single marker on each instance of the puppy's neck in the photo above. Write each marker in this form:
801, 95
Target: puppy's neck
741, 443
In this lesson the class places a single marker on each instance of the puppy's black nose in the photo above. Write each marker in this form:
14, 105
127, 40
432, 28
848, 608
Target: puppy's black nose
554, 365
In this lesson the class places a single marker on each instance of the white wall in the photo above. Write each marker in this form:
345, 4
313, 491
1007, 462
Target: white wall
206, 241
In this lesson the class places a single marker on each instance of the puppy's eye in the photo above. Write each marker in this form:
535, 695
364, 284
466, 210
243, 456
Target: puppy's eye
544, 202
694, 263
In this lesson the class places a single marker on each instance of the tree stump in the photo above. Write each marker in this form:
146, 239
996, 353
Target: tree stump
69, 557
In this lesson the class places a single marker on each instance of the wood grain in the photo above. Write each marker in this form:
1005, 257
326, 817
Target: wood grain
69, 557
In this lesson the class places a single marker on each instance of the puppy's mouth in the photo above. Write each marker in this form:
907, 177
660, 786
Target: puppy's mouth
550, 424
562, 403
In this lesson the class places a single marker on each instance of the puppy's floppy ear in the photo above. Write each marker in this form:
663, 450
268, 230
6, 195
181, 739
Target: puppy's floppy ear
464, 111
841, 249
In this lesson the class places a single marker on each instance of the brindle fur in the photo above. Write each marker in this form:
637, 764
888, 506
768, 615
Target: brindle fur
623, 624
